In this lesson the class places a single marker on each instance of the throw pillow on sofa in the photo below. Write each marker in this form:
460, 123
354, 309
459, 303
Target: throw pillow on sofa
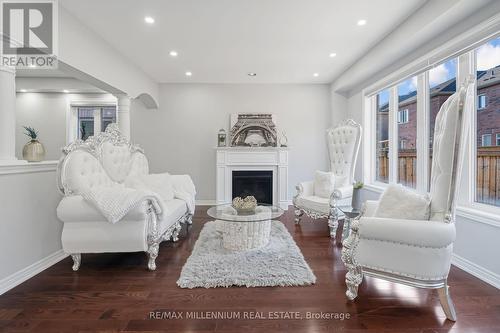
159, 183
398, 202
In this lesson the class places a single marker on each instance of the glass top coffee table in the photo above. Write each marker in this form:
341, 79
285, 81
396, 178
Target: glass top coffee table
350, 213
245, 231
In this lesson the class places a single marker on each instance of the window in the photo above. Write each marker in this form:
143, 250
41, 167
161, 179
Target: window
94, 119
486, 140
498, 139
382, 137
487, 123
407, 132
481, 102
403, 116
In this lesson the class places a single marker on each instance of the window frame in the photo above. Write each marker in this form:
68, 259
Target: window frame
466, 65
483, 136
72, 113
497, 139
406, 119
479, 107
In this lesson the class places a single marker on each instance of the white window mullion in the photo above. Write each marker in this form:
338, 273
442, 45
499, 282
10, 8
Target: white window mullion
423, 131
393, 135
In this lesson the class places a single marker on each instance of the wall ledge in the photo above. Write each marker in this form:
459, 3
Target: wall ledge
7, 168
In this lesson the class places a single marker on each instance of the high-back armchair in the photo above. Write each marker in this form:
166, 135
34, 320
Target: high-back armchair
416, 252
343, 145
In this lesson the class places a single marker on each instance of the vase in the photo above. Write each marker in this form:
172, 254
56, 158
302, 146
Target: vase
356, 199
34, 151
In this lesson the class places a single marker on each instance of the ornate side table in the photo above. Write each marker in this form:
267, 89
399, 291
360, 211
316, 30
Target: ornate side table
350, 214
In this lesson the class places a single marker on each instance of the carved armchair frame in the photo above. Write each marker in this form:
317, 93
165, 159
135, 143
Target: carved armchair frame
334, 214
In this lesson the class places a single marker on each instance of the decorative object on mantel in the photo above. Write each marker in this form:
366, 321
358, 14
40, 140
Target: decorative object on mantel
245, 205
356, 195
279, 263
253, 130
283, 139
33, 151
221, 138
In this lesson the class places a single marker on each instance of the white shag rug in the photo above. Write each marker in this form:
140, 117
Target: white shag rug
279, 263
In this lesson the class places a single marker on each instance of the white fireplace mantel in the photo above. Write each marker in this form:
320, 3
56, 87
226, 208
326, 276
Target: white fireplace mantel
231, 159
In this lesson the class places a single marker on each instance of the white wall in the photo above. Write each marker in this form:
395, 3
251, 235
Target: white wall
30, 228
180, 137
47, 113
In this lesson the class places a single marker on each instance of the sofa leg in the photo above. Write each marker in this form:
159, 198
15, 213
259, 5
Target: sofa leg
447, 303
189, 219
298, 215
77, 259
152, 254
175, 232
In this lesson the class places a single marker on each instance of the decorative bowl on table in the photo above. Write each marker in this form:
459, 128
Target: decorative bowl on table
245, 206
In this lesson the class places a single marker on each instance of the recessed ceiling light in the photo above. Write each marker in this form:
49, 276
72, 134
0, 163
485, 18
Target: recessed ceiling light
65, 91
252, 74
315, 74
23, 90
173, 53
333, 55
189, 73
361, 22
149, 20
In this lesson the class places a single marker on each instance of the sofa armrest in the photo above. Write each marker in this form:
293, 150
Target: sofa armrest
305, 188
420, 233
342, 192
75, 208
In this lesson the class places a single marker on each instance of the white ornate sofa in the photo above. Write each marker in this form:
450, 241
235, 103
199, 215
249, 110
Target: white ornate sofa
343, 146
103, 160
417, 252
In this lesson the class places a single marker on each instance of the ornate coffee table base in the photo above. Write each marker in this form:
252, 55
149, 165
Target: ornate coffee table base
245, 236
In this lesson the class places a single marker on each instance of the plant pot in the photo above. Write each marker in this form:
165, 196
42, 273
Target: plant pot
33, 151
356, 199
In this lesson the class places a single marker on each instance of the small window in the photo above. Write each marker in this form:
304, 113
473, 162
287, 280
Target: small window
403, 116
481, 101
498, 139
486, 140
402, 144
94, 119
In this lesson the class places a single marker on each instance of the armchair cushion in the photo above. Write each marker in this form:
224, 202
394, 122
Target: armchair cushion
314, 203
324, 183
398, 202
432, 234
306, 188
344, 192
161, 184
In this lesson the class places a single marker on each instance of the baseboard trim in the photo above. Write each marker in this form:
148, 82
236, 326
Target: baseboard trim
476, 270
24, 274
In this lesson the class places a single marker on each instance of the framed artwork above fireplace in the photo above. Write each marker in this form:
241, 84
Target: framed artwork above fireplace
253, 130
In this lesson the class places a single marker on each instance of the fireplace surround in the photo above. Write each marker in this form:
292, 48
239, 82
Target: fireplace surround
270, 160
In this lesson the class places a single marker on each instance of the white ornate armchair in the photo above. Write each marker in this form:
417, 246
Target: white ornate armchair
415, 252
104, 160
343, 146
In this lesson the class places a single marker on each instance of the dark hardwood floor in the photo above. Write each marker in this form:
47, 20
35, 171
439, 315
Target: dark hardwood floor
115, 292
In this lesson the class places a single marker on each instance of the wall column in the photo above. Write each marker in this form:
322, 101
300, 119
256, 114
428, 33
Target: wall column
7, 114
123, 115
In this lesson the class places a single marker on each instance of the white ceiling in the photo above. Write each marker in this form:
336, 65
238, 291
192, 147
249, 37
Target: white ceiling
220, 41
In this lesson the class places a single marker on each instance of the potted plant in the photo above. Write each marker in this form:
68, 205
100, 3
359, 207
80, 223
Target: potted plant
33, 151
356, 195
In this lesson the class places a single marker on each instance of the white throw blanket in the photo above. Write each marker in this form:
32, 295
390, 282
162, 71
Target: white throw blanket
116, 201
184, 190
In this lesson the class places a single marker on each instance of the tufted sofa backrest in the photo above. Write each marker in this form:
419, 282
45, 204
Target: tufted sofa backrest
102, 160
343, 147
